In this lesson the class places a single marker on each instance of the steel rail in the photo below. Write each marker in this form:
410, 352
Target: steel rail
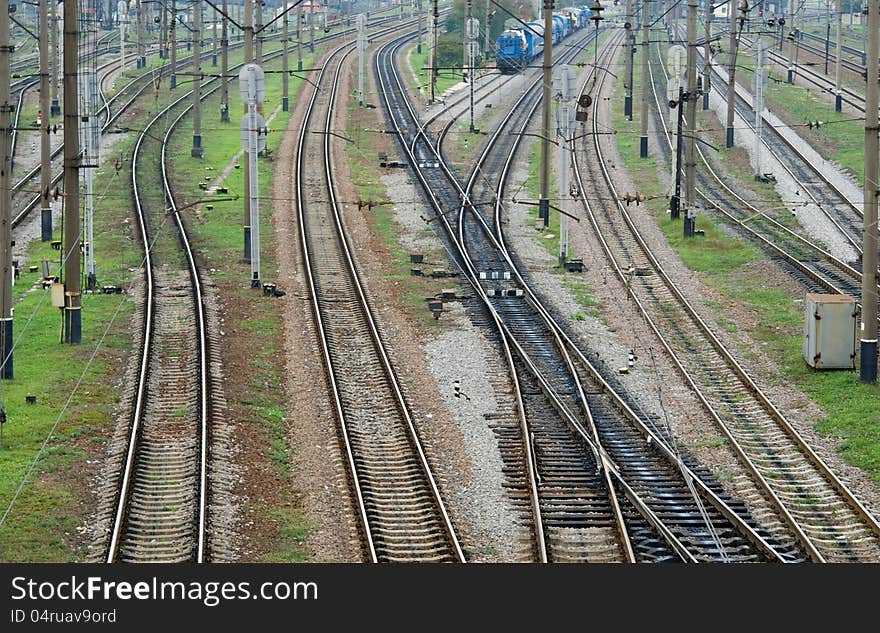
366, 310
744, 98
753, 211
146, 78
471, 276
565, 344
147, 343
629, 554
777, 416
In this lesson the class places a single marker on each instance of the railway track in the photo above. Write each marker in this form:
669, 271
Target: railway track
817, 188
573, 510
814, 267
114, 107
161, 507
402, 514
161, 513
828, 521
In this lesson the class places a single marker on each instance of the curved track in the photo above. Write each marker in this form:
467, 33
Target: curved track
659, 532
829, 522
402, 514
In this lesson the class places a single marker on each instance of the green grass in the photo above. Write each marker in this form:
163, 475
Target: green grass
582, 293
445, 78
839, 139
548, 235
293, 530
218, 236
366, 178
42, 524
851, 408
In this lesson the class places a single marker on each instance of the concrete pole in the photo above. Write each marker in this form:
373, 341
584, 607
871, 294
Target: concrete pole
197, 151
299, 44
72, 236
214, 37
838, 100
421, 16
731, 73
628, 80
224, 66
122, 24
362, 49
312, 27
248, 58
285, 102
435, 16
758, 93
258, 25
53, 33
163, 34
646, 78
6, 107
485, 31
45, 148
544, 203
469, 57
173, 83
868, 342
141, 39
707, 54
690, 163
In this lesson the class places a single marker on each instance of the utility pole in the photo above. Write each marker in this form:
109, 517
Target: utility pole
299, 44
72, 236
163, 34
361, 47
312, 27
564, 91
122, 15
173, 82
214, 37
868, 343
690, 163
421, 17
258, 26
435, 16
45, 148
285, 104
471, 33
486, 31
707, 55
731, 73
838, 98
141, 44
224, 67
628, 81
759, 103
248, 59
197, 151
53, 32
544, 203
646, 78
6, 107
252, 88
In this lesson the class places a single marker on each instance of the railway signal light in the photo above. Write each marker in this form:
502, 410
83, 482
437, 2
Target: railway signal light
743, 13
596, 10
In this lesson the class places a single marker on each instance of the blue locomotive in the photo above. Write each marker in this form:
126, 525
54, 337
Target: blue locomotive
517, 46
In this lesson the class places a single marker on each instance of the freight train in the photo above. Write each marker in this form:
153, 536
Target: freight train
517, 46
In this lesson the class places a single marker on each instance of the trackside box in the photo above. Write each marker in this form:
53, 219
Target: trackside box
830, 331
